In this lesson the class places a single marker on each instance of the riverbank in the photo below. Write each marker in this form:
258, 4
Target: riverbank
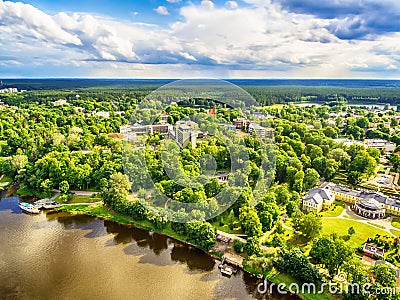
105, 213
87, 257
100, 211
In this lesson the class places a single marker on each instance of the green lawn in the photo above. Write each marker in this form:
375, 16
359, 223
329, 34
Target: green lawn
341, 226
281, 278
395, 232
376, 225
396, 222
6, 179
81, 199
222, 223
334, 211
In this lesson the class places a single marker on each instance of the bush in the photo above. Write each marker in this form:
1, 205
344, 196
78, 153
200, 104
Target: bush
238, 246
252, 246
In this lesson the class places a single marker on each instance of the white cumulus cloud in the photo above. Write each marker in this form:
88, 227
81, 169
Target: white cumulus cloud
162, 10
259, 39
232, 4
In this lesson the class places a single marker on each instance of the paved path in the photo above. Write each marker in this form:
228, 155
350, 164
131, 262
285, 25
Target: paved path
231, 236
267, 234
235, 237
84, 193
83, 203
55, 196
80, 193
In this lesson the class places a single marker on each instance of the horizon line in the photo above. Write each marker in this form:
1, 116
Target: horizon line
217, 78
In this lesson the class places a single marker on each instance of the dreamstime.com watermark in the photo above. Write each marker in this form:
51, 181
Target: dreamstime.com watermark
334, 288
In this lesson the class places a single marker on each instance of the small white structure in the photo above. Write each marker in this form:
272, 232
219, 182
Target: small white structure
60, 102
103, 114
260, 131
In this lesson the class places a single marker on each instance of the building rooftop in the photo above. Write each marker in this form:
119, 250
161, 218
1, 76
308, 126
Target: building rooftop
370, 204
318, 195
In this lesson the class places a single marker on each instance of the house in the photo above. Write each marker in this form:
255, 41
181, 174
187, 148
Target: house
60, 102
103, 114
9, 90
261, 131
372, 250
318, 199
240, 123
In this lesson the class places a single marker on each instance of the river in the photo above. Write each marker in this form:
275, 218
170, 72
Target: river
59, 256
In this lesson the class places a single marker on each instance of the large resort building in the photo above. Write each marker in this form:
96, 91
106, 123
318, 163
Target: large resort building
369, 204
183, 132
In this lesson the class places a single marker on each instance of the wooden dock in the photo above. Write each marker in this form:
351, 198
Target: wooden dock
232, 259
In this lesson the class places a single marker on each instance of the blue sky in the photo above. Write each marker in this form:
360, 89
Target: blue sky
200, 38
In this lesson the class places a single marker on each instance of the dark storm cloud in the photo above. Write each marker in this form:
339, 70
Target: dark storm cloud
351, 19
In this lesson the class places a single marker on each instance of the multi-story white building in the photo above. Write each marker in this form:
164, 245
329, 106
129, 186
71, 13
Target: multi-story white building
60, 102
260, 131
8, 90
318, 199
186, 132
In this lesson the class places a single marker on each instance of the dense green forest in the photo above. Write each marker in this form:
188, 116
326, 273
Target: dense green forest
45, 147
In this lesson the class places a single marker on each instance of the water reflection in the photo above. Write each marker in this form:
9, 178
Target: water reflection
56, 255
195, 259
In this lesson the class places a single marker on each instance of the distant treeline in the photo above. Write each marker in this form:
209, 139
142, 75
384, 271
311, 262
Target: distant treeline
266, 92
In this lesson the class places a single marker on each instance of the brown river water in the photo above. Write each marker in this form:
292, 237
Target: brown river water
59, 256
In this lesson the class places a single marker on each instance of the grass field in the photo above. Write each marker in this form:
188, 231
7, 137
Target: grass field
335, 210
396, 222
395, 232
5, 179
83, 199
79, 199
341, 226
222, 223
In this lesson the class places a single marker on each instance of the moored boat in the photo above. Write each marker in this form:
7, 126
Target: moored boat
51, 205
29, 208
39, 203
226, 270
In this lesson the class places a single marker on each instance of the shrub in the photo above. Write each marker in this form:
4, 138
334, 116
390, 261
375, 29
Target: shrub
238, 246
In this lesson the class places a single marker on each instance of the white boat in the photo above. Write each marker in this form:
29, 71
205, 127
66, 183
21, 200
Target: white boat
41, 202
51, 205
29, 208
225, 270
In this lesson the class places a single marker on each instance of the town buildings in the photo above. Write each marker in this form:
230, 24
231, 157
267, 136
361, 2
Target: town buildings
8, 90
366, 203
370, 143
